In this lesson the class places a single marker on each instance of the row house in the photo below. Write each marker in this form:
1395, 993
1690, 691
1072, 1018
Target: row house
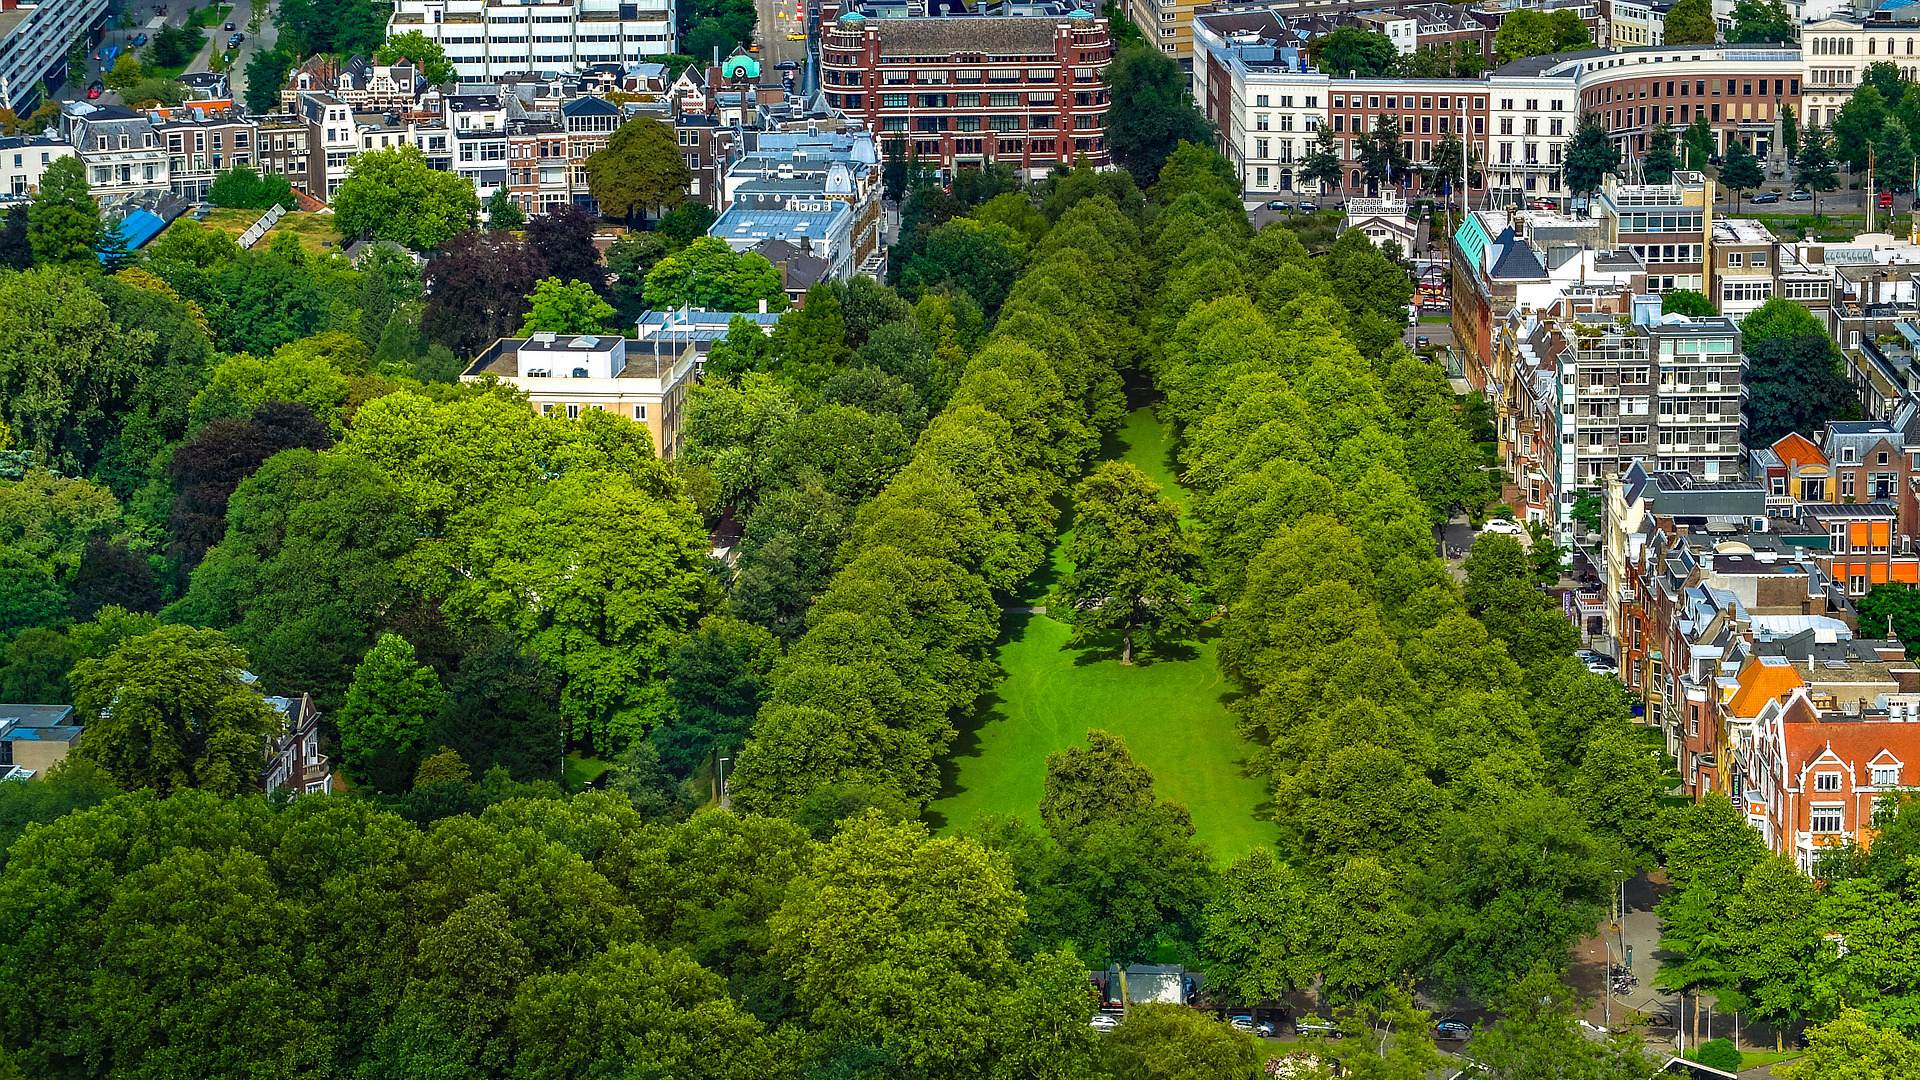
125, 157
201, 145
24, 160
362, 85
1812, 780
1849, 462
280, 146
1026, 91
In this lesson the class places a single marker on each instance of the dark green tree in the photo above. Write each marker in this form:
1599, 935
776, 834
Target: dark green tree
1690, 22
1322, 164
1151, 111
1758, 21
1134, 570
1697, 142
502, 212
640, 171
1590, 155
1686, 302
1661, 160
1741, 171
1813, 166
1354, 52
63, 220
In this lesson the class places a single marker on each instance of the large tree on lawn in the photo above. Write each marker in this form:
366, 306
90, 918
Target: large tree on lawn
1133, 567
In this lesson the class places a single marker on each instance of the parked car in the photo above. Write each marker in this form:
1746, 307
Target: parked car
1104, 1022
1541, 204
1279, 204
139, 40
1600, 665
1504, 527
1800, 196
94, 91
1764, 197
1316, 1026
1422, 341
1452, 1030
234, 41
1308, 205
1241, 1022
229, 26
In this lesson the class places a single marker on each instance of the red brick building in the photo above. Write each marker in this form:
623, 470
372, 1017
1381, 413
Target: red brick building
966, 90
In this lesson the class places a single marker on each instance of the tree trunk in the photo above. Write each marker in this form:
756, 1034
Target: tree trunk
1696, 1019
1126, 647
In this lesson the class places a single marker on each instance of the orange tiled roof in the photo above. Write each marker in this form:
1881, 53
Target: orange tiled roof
1763, 679
1796, 450
1854, 742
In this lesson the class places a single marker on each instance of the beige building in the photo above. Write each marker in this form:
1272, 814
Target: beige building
35, 738
1166, 23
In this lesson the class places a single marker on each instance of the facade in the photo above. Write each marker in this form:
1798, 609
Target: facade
293, 759
200, 145
1838, 51
280, 147
644, 379
1811, 780
822, 228
35, 738
485, 39
24, 160
967, 90
34, 39
124, 156
1667, 226
1384, 220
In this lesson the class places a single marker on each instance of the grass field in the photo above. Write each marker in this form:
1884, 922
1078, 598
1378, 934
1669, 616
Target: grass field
1171, 710
316, 231
581, 770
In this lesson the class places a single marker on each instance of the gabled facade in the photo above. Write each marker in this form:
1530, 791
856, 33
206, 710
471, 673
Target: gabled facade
1811, 781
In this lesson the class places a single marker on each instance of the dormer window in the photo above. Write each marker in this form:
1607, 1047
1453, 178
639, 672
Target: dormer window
1826, 781
1886, 776
1847, 454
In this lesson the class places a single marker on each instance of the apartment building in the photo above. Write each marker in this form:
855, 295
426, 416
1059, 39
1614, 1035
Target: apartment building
1811, 780
1667, 226
34, 40
966, 90
124, 156
280, 146
1263, 97
202, 144
24, 160
1838, 50
485, 39
1530, 119
785, 168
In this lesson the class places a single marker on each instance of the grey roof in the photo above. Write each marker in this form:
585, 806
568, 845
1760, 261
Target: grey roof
1516, 260
970, 34
589, 106
1540, 65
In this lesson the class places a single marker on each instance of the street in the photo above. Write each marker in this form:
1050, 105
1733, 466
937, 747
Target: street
76, 88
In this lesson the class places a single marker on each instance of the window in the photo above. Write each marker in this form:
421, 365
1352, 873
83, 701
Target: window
639, 412
1828, 819
1886, 776
1826, 781
573, 412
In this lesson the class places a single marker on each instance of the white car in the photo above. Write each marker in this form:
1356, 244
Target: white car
1104, 1022
1504, 527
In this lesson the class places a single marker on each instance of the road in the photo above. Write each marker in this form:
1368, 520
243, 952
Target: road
75, 89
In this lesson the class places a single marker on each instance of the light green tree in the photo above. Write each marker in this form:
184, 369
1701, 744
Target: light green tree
387, 719
709, 274
63, 220
566, 307
1173, 1042
1134, 568
394, 195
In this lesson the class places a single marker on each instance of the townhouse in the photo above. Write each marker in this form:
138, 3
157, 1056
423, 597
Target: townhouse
1811, 780
124, 156
24, 160
200, 144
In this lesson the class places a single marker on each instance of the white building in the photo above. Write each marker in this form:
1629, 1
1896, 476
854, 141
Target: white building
486, 39
123, 154
24, 160
1530, 119
1837, 50
34, 39
1267, 101
1384, 220
571, 374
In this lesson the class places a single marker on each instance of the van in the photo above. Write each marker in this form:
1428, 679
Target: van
1885, 201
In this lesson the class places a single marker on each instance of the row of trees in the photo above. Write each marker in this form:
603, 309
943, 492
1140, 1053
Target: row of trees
1413, 736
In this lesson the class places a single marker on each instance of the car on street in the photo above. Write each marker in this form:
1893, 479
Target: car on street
1885, 201
94, 91
1317, 1026
1279, 204
1800, 196
1104, 1022
1241, 1022
229, 26
1503, 527
1422, 341
1451, 1030
1765, 197
234, 41
139, 40
1600, 665
1541, 204
1308, 205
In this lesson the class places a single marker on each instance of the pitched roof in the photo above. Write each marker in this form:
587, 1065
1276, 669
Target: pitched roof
1763, 679
1797, 451
1854, 742
1516, 259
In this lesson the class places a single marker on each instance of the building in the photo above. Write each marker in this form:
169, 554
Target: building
35, 738
969, 90
783, 169
1742, 268
1668, 226
201, 144
644, 379
1838, 49
124, 156
280, 147
1385, 221
24, 160
486, 39
822, 228
34, 40
1810, 780
293, 759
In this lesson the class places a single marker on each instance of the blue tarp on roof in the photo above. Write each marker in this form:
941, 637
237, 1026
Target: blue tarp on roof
134, 230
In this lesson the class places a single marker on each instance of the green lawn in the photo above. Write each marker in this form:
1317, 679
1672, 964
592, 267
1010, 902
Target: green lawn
316, 231
581, 770
209, 17
1171, 711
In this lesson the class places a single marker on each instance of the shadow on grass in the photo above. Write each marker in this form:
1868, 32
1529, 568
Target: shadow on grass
1105, 648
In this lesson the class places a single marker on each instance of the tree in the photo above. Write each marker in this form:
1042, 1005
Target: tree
1756, 21
65, 368
394, 195
169, 710
1537, 33
477, 289
1852, 1047
1151, 111
1590, 155
1813, 166
502, 212
1741, 171
606, 633
175, 45
563, 239
1383, 158
125, 72
1795, 378
1449, 163
1858, 124
1892, 153
1697, 143
1133, 568
1172, 1042
1686, 302
1661, 160
1254, 935
717, 679
709, 274
1322, 163
63, 221
386, 721
900, 942
246, 189
421, 51
686, 223
566, 307
266, 73
639, 171
982, 260
1352, 51
1690, 22
1539, 1034
1893, 610
1789, 132
341, 27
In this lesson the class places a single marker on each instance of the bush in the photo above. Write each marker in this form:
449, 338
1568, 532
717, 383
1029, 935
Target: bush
244, 188
1719, 1054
